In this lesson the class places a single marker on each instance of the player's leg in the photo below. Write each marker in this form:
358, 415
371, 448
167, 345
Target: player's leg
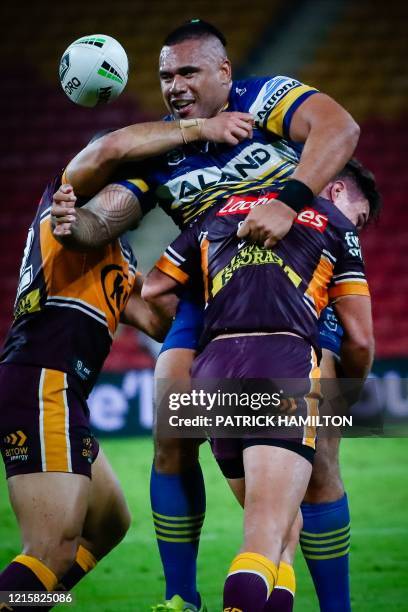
177, 490
47, 450
50, 510
325, 538
271, 507
106, 523
283, 594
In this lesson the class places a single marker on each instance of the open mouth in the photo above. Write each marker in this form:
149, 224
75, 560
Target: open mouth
182, 107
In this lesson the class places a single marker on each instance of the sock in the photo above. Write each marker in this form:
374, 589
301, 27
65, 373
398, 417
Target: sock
249, 583
84, 563
178, 506
325, 543
26, 573
283, 594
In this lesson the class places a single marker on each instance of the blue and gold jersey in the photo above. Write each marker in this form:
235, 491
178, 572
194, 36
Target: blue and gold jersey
189, 179
249, 288
68, 304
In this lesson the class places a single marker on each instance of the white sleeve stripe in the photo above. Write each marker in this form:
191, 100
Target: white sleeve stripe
360, 281
349, 274
175, 254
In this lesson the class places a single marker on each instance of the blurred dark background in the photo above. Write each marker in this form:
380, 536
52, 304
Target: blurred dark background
355, 51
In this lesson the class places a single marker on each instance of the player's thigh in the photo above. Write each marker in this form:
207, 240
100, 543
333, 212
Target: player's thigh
50, 507
108, 516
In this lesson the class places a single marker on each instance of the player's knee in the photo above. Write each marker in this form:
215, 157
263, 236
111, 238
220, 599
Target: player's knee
173, 455
325, 482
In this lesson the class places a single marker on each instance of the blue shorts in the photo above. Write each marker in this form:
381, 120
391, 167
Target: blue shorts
187, 326
330, 331
188, 323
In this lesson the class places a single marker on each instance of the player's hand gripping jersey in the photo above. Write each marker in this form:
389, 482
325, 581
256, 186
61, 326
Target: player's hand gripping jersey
68, 303
187, 180
250, 289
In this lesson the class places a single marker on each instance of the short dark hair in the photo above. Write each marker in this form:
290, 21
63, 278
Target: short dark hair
194, 28
365, 181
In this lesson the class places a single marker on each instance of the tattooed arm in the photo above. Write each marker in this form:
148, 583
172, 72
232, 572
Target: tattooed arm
110, 213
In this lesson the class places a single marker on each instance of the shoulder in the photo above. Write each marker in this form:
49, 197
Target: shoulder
244, 92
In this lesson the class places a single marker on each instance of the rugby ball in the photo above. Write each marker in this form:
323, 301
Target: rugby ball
94, 70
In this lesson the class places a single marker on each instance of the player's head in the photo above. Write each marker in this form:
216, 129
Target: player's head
354, 191
195, 73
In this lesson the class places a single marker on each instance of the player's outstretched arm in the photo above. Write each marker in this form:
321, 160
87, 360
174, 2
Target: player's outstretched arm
330, 136
357, 349
139, 314
106, 216
92, 168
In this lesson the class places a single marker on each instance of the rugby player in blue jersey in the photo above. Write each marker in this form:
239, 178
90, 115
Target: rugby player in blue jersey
196, 85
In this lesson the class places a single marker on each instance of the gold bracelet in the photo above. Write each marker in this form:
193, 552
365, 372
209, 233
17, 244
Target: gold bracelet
191, 129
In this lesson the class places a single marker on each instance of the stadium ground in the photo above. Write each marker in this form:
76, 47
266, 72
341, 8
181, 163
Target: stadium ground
376, 473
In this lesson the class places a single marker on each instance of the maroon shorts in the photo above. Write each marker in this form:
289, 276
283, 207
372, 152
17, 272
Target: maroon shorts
264, 363
44, 422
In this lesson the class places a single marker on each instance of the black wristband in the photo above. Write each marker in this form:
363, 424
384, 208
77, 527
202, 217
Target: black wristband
296, 194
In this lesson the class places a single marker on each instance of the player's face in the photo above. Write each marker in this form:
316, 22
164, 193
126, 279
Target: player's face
195, 78
345, 194
363, 212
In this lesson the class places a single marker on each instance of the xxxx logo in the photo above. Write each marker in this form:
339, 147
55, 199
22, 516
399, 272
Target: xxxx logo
16, 439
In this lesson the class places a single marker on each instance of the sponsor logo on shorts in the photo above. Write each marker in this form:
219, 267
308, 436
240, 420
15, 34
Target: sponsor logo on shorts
16, 451
241, 205
87, 450
81, 369
312, 218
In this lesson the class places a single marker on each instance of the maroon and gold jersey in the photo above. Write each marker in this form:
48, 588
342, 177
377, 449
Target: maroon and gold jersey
68, 303
284, 289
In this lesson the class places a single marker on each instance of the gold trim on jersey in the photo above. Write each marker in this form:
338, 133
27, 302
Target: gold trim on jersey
169, 268
276, 119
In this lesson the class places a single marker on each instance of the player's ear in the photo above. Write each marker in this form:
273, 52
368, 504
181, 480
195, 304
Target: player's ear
336, 189
226, 70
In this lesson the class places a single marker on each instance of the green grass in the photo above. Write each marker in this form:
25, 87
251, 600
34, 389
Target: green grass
130, 579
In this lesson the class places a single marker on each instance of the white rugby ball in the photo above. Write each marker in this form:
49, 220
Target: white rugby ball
94, 70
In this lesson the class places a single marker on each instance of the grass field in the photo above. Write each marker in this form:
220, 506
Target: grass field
130, 580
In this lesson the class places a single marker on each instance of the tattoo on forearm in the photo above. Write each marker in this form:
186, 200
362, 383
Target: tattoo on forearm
111, 212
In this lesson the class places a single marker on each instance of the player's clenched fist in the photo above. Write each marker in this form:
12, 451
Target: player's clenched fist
63, 211
267, 224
